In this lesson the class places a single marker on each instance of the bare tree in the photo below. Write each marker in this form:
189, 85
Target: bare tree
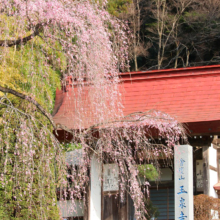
182, 30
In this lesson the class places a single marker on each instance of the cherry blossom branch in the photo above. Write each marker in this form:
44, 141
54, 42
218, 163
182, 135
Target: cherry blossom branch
24, 40
34, 102
31, 100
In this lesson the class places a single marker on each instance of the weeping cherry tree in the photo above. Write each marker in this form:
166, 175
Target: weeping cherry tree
43, 43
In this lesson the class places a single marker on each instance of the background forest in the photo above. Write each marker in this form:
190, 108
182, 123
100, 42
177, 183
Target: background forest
171, 33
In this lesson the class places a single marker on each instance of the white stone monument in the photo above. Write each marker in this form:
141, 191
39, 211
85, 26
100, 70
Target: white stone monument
183, 182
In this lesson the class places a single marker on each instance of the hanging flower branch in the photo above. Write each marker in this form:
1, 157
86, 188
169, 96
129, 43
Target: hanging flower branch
78, 40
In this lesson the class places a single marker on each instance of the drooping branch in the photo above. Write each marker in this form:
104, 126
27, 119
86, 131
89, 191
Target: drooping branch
131, 119
31, 100
40, 108
10, 43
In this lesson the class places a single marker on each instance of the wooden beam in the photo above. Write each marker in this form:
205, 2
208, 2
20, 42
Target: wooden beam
200, 140
213, 168
203, 128
206, 182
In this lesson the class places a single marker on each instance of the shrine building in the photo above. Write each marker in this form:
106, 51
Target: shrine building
190, 95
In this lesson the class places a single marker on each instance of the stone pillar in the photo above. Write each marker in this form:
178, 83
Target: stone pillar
183, 155
95, 190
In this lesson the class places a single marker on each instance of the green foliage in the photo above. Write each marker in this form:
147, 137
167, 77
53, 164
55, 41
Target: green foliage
71, 146
28, 68
21, 187
33, 69
115, 7
148, 171
152, 211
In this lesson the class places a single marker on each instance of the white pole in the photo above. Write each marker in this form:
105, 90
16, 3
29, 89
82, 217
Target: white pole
95, 196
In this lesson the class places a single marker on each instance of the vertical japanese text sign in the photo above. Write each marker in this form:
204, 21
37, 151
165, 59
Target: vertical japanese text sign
183, 182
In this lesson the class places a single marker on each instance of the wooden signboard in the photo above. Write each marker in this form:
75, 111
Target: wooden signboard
110, 177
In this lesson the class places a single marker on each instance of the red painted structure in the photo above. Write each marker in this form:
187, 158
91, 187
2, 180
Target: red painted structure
191, 95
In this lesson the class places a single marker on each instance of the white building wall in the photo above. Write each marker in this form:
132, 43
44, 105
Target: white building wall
212, 156
213, 180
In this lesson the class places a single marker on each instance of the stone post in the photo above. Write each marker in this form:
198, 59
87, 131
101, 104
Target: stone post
183, 155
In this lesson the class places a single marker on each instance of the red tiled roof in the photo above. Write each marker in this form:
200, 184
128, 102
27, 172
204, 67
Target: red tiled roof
189, 94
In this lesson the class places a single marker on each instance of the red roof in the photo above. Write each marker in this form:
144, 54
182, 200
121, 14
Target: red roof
191, 95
